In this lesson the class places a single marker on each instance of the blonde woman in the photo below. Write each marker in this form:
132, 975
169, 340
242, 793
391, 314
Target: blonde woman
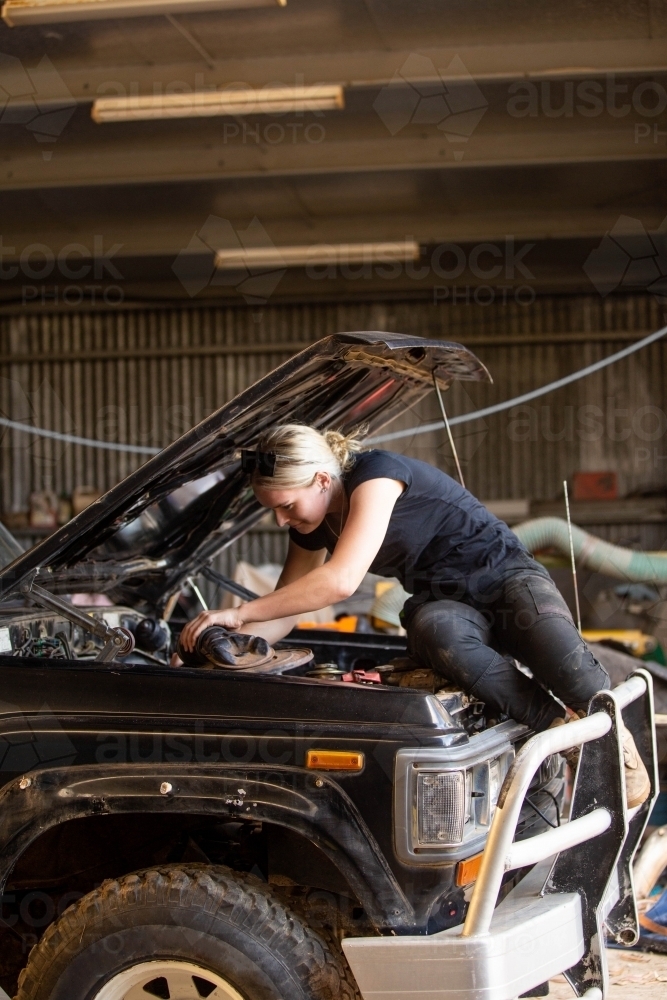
479, 600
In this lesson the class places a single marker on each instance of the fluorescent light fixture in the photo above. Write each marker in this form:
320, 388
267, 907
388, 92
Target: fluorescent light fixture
207, 103
19, 12
318, 253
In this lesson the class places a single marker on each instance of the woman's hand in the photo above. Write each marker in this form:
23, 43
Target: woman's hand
230, 619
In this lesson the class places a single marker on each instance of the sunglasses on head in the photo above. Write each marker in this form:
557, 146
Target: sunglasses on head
263, 462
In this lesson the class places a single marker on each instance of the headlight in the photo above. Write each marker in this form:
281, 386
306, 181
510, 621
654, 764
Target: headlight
453, 806
443, 805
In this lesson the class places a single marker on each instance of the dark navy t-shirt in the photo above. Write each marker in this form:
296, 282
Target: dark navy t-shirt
441, 542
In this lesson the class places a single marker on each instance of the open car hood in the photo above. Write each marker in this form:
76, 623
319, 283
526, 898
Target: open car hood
165, 521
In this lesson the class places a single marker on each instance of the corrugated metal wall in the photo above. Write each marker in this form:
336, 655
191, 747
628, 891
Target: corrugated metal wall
144, 375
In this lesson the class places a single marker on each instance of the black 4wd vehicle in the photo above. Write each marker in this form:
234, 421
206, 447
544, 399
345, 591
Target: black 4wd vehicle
261, 829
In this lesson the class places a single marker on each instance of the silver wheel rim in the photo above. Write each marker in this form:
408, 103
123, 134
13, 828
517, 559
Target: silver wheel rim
167, 979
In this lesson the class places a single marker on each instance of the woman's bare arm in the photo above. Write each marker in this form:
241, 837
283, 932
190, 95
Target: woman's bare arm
371, 506
298, 563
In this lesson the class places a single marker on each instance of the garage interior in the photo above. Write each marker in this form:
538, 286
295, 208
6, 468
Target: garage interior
491, 174
116, 325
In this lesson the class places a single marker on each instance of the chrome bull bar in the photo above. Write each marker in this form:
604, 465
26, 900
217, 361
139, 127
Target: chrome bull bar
500, 854
555, 920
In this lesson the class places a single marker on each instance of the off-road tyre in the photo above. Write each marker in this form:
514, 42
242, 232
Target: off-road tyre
226, 922
328, 927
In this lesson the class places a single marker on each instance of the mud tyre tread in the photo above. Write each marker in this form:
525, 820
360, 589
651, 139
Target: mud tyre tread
230, 907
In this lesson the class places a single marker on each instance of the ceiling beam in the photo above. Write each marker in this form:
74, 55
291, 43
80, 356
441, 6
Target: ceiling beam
161, 157
129, 234
374, 68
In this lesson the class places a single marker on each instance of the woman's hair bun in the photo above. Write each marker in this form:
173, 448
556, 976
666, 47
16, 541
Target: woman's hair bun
302, 451
344, 447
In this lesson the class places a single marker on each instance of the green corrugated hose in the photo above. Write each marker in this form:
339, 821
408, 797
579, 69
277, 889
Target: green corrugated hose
592, 552
551, 533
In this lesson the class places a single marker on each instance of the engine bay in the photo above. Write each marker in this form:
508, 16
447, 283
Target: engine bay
374, 661
31, 632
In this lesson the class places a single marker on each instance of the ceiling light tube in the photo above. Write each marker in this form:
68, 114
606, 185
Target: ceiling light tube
207, 103
318, 253
16, 13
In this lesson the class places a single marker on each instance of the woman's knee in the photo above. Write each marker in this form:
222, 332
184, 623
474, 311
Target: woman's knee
451, 639
562, 661
583, 676
446, 622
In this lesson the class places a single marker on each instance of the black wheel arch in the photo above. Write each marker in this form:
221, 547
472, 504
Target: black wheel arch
310, 805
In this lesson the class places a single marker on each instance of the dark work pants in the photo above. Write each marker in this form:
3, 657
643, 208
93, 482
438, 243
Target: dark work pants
474, 646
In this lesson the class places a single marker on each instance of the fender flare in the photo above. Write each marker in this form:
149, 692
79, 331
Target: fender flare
308, 803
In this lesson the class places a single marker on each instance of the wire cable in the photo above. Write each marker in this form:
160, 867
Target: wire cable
395, 436
74, 439
555, 802
539, 812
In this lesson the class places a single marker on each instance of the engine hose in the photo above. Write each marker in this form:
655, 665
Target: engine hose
593, 553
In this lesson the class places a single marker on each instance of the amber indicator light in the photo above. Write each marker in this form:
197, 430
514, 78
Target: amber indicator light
468, 870
334, 760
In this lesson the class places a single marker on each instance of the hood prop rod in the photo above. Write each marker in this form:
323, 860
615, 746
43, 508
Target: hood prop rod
448, 429
225, 583
118, 641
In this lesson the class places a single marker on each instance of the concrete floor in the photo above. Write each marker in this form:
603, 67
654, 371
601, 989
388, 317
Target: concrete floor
633, 975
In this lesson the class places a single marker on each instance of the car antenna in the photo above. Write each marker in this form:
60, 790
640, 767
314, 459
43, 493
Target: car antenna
574, 565
448, 429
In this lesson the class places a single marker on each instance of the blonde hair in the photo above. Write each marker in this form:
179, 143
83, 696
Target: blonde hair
301, 452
